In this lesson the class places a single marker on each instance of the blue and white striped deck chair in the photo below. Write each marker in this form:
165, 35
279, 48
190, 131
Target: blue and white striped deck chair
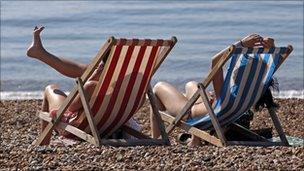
247, 77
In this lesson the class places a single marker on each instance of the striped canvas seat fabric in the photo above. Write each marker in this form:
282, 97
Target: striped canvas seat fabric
247, 78
123, 83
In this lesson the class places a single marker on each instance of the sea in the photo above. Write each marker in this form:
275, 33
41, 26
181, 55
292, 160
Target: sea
77, 29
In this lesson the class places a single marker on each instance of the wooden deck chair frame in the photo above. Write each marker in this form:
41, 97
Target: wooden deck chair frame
221, 140
78, 88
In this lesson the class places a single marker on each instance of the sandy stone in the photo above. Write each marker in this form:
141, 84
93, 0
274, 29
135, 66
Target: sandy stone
19, 128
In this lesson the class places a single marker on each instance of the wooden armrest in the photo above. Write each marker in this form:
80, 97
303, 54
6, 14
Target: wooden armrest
44, 116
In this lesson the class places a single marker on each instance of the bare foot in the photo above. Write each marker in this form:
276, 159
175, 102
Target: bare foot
36, 48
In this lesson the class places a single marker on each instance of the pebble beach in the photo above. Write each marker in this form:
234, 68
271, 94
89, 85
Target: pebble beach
19, 128
76, 30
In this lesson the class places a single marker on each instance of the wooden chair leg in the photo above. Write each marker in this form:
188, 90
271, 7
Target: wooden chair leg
278, 126
88, 112
213, 117
185, 109
155, 109
134, 132
51, 126
193, 130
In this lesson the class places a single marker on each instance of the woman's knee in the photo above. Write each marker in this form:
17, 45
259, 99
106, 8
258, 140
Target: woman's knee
53, 90
53, 96
160, 86
191, 85
51, 87
160, 89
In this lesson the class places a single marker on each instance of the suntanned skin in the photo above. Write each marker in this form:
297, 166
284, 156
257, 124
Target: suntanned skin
172, 101
64, 66
53, 96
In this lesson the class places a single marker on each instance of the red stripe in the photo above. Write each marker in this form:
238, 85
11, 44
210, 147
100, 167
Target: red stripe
131, 82
104, 87
120, 79
140, 92
146, 79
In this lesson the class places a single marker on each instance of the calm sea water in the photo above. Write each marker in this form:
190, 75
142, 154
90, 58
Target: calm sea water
77, 30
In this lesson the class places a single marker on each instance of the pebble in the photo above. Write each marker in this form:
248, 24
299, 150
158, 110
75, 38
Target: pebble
20, 127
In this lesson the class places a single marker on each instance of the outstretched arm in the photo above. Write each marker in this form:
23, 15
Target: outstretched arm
64, 66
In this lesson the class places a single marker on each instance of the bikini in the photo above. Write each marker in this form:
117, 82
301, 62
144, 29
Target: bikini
68, 117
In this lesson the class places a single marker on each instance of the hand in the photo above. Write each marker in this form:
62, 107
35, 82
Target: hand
100, 66
267, 42
97, 72
252, 40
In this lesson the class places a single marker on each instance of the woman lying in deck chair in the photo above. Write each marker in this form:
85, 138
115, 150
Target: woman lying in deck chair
173, 101
53, 97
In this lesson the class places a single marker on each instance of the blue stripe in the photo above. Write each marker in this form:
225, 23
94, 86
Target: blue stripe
238, 50
224, 117
249, 50
233, 93
271, 50
279, 56
283, 50
272, 69
235, 88
254, 94
247, 86
219, 101
263, 70
256, 88
260, 50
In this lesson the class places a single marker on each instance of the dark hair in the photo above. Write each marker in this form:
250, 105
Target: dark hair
266, 100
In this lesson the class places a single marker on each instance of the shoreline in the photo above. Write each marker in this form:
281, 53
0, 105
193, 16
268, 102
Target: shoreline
20, 127
37, 95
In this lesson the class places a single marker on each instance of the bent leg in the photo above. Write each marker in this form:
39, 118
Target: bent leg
198, 109
54, 96
52, 99
169, 99
191, 88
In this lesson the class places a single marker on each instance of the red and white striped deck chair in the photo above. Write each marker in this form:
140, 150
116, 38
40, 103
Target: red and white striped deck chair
124, 81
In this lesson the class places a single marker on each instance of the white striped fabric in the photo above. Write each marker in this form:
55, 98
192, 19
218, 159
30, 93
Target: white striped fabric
122, 84
247, 77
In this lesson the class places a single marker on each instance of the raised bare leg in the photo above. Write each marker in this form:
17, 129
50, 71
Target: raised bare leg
36, 49
64, 66
153, 121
